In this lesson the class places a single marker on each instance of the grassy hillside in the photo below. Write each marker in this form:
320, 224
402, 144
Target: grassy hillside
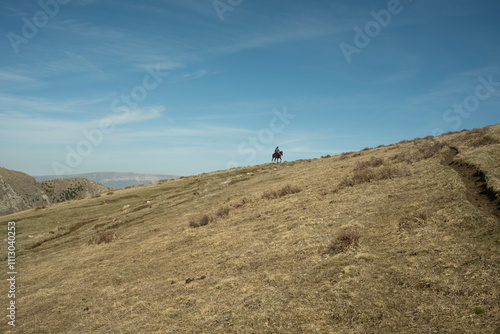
379, 241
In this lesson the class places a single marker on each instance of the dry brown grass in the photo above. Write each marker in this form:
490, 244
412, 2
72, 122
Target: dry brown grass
416, 219
286, 190
223, 211
344, 240
484, 141
105, 237
363, 173
201, 220
402, 253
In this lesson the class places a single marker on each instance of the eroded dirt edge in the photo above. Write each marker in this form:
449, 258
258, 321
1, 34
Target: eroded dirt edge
477, 191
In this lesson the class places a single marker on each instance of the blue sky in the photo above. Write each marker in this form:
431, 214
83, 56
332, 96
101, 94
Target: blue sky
186, 87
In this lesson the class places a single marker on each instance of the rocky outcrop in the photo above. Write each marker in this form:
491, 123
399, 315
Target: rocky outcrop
20, 191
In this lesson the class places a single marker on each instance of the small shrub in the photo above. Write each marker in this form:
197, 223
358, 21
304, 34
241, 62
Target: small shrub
373, 162
410, 221
484, 141
367, 175
105, 237
223, 211
286, 190
110, 193
344, 240
96, 195
241, 202
345, 155
202, 220
270, 194
478, 310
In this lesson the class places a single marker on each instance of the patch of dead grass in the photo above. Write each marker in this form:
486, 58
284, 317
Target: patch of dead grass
286, 190
105, 237
345, 239
201, 220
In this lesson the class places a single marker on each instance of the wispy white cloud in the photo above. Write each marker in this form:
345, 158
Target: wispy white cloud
455, 87
32, 105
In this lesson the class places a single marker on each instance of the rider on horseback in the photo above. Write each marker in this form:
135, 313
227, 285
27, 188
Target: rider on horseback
277, 154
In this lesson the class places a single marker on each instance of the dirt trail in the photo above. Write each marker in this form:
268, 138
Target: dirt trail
476, 189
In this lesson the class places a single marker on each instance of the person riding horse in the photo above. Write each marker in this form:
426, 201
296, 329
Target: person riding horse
277, 154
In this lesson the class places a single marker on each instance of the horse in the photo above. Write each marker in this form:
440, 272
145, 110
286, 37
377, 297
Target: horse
277, 156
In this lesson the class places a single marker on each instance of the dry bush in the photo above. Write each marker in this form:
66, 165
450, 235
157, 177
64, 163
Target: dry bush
373, 162
110, 193
345, 155
286, 190
430, 149
411, 220
96, 195
343, 241
270, 194
200, 221
241, 202
105, 237
223, 211
424, 151
484, 141
367, 174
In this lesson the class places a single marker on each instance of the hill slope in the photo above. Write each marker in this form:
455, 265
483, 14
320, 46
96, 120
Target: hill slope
19, 191
379, 241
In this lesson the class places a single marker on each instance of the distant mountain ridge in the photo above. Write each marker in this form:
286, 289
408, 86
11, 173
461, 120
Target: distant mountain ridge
20, 191
113, 179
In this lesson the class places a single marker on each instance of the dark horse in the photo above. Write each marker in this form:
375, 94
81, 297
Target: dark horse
277, 156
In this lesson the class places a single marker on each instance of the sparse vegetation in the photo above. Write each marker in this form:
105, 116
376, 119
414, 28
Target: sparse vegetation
345, 239
223, 211
366, 174
286, 190
202, 220
105, 237
484, 141
410, 221
401, 250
